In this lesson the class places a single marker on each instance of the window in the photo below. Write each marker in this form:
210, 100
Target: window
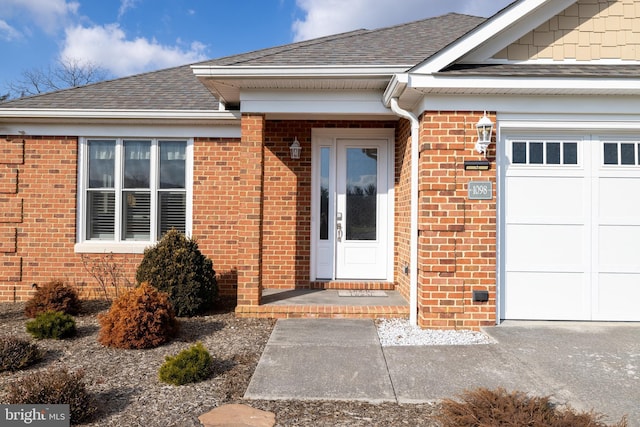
544, 153
621, 153
133, 190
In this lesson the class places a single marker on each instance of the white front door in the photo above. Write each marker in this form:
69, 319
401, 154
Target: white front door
351, 213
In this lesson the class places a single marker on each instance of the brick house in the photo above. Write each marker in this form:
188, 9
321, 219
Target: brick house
391, 190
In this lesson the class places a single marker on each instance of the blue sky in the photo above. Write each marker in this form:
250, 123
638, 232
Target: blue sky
131, 36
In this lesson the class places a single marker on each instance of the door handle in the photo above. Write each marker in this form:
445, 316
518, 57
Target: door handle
339, 232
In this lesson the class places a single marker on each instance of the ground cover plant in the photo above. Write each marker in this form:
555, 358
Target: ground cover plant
18, 353
55, 386
483, 407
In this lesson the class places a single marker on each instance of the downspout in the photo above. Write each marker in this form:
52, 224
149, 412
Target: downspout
413, 242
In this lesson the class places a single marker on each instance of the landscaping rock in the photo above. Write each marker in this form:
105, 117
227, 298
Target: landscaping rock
237, 416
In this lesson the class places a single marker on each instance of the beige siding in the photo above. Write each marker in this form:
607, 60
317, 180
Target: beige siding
588, 30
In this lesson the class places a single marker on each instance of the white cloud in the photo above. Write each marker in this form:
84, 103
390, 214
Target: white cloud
7, 32
49, 15
126, 5
324, 17
108, 47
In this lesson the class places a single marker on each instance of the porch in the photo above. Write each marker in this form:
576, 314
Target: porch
327, 303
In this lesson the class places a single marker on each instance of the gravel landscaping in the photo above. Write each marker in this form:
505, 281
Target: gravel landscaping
126, 385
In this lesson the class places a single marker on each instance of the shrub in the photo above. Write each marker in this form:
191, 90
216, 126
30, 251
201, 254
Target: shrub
176, 266
53, 296
52, 324
55, 386
17, 353
189, 366
139, 318
482, 407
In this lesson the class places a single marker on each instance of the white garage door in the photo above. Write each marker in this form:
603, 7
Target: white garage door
571, 229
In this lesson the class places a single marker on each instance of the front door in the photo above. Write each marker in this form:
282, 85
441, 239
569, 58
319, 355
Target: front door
353, 231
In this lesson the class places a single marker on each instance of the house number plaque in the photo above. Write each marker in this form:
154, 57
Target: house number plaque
480, 190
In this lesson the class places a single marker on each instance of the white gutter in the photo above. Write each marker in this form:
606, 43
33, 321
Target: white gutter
413, 242
51, 113
312, 71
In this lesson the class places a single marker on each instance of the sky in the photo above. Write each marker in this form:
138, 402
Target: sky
126, 37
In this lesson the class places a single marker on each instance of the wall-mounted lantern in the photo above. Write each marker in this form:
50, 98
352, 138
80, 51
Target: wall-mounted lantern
485, 130
295, 149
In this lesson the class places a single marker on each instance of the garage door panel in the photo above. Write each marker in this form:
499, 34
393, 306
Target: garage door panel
545, 247
571, 229
543, 296
617, 297
545, 197
619, 248
619, 201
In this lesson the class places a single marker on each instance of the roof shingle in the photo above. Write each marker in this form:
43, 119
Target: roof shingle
179, 89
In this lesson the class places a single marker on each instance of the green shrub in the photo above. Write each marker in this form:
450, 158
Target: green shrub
53, 296
52, 324
483, 407
18, 353
140, 318
189, 366
176, 266
55, 386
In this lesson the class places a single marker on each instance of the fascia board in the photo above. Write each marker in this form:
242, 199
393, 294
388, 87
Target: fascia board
395, 88
429, 83
508, 25
315, 71
51, 113
312, 102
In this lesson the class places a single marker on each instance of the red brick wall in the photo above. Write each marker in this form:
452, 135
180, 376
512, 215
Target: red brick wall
38, 201
287, 193
402, 206
457, 243
38, 219
216, 207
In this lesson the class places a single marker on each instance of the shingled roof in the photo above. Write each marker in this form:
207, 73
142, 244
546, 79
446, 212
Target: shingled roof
179, 89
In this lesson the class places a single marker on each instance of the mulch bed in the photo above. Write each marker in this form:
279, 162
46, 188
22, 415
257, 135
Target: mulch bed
126, 386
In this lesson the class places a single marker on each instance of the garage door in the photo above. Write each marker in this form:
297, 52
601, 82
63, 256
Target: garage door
571, 229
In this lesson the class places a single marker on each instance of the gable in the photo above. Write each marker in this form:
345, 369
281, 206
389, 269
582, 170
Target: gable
589, 30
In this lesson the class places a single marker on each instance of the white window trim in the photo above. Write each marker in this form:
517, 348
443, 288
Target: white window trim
123, 247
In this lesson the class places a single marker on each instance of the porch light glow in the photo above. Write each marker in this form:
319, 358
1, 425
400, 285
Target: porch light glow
295, 149
485, 129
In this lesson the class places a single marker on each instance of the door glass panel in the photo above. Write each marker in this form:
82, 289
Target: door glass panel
553, 153
627, 154
520, 152
324, 193
362, 188
610, 154
535, 152
570, 152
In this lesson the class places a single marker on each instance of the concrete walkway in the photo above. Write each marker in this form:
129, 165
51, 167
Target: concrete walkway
587, 365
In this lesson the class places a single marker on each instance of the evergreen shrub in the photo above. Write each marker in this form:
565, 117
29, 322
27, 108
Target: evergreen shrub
176, 266
141, 317
53, 296
52, 324
189, 366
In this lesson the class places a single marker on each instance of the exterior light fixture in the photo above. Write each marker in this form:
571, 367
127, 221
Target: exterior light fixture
485, 129
295, 149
